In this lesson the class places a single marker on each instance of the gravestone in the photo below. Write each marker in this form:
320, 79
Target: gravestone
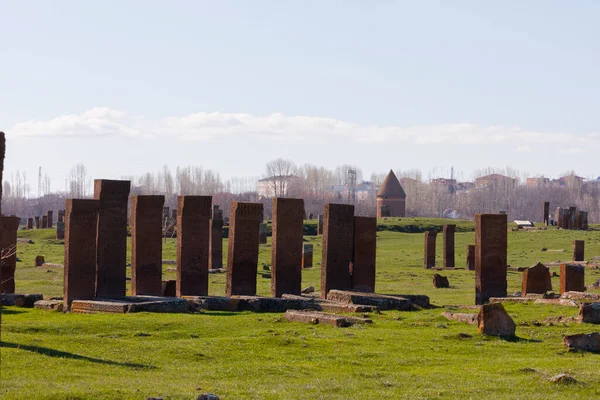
81, 219
572, 217
111, 253
338, 244
572, 278
448, 238
579, 220
566, 217
146, 245
262, 234
193, 240
440, 282
307, 255
60, 230
37, 222
8, 247
584, 220
558, 217
536, 280
215, 259
50, 216
429, 255
578, 250
310, 216
44, 221
320, 224
362, 267
286, 249
242, 255
490, 256
61, 216
29, 223
471, 257
546, 212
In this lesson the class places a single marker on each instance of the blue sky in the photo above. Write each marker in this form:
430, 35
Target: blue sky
126, 87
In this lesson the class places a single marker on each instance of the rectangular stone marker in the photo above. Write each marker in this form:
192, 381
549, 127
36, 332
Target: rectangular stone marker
8, 249
193, 239
448, 238
50, 217
215, 258
111, 253
60, 230
338, 246
61, 216
572, 217
362, 267
558, 217
490, 256
242, 260
81, 219
286, 249
578, 250
29, 223
471, 257
146, 245
262, 234
536, 280
320, 225
566, 217
429, 254
584, 220
579, 220
307, 255
546, 212
44, 221
572, 278
37, 222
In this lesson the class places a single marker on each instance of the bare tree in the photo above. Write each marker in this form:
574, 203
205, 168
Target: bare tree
279, 173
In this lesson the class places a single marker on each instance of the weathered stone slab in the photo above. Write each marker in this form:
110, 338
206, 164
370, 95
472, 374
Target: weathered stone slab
286, 248
363, 265
20, 300
8, 250
381, 301
263, 233
578, 250
557, 302
80, 250
44, 221
215, 258
511, 299
60, 230
215, 303
242, 260
493, 320
440, 281
50, 218
429, 253
315, 317
470, 319
169, 288
536, 280
314, 303
448, 238
113, 306
471, 257
61, 216
50, 305
146, 245
29, 224
307, 255
111, 254
546, 212
586, 342
572, 278
589, 313
420, 300
38, 224
581, 296
269, 304
490, 256
193, 239
338, 244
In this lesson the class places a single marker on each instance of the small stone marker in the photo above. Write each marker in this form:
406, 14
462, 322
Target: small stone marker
37, 222
536, 280
572, 278
448, 238
44, 221
582, 341
490, 256
307, 255
430, 249
39, 261
29, 224
493, 320
262, 234
362, 267
287, 246
8, 244
471, 257
578, 250
440, 282
338, 243
589, 313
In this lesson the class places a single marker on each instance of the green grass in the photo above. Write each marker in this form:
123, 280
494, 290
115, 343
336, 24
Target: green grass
416, 355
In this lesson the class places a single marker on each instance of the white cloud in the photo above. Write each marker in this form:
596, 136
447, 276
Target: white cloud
523, 149
574, 150
201, 126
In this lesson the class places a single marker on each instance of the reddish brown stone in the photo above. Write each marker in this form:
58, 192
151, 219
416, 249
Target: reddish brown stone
578, 250
546, 212
440, 281
111, 253
44, 221
362, 267
169, 288
429, 255
193, 239
81, 219
490, 256
493, 320
286, 248
242, 259
536, 280
448, 238
262, 234
572, 217
391, 198
215, 258
307, 256
61, 216
572, 278
471, 257
37, 222
338, 245
39, 261
584, 220
50, 219
146, 245
29, 223
8, 248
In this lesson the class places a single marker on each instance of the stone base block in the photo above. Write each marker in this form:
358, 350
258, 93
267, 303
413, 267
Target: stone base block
381, 301
315, 317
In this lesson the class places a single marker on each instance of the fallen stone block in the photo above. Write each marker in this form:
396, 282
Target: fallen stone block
581, 296
493, 320
20, 300
215, 303
563, 379
319, 304
270, 304
381, 301
511, 299
470, 319
95, 307
589, 313
420, 300
315, 317
583, 341
50, 305
557, 302
131, 305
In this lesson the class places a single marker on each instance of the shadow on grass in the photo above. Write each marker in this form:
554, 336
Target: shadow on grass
516, 339
6, 311
63, 354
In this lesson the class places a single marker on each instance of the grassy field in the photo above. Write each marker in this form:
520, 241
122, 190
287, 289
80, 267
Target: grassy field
416, 355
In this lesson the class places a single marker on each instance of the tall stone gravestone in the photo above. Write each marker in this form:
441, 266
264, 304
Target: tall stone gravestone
44, 221
546, 212
193, 239
286, 249
146, 245
262, 234
37, 222
572, 278
307, 255
216, 239
471, 257
490, 256
81, 219
429, 255
448, 237
362, 267
572, 217
29, 223
242, 259
578, 250
50, 216
338, 246
536, 280
111, 254
8, 248
60, 225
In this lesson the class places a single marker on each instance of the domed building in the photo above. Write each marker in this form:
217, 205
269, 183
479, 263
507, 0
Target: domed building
391, 198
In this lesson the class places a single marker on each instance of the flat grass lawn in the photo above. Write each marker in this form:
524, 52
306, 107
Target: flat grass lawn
416, 355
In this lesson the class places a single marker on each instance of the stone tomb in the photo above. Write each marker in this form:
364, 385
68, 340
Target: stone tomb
429, 255
146, 245
572, 278
490, 256
193, 239
338, 246
578, 250
448, 237
536, 280
362, 267
307, 255
81, 218
471, 257
111, 253
8, 245
242, 260
286, 249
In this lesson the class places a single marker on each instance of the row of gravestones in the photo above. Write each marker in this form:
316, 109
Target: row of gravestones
537, 279
95, 245
47, 221
448, 251
571, 218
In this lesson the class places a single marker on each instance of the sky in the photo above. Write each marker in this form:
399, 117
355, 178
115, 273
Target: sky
125, 87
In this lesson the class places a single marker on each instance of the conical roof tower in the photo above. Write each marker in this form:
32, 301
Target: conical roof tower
391, 198
391, 188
